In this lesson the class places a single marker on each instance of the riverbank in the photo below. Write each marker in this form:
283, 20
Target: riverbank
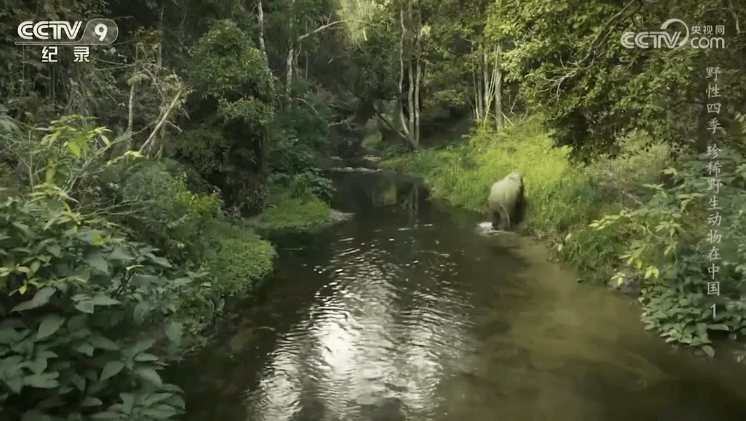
626, 221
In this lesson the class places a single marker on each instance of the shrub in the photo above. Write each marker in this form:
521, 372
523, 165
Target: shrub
238, 258
75, 299
663, 241
155, 204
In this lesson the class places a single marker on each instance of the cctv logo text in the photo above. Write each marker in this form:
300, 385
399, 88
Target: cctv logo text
663, 39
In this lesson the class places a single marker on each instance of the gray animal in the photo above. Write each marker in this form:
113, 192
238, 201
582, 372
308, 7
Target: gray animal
506, 202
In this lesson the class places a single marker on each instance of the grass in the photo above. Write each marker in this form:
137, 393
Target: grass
289, 212
563, 196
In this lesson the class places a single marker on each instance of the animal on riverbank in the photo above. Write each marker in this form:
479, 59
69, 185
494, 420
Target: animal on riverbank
506, 203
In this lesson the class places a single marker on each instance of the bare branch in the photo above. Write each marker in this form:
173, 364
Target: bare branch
328, 25
160, 123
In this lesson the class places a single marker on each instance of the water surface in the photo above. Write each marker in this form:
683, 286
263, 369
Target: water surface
415, 311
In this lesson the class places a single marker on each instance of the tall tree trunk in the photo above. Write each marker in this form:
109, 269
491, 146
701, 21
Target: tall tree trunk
289, 69
291, 51
262, 46
485, 78
159, 60
410, 102
478, 97
410, 93
402, 70
418, 76
498, 88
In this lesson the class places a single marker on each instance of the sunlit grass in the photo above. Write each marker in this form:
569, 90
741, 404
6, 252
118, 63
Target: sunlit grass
563, 196
288, 212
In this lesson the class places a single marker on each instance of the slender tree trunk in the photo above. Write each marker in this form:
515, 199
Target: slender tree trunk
418, 75
486, 80
401, 71
291, 52
160, 35
127, 135
478, 99
410, 102
262, 46
289, 69
498, 87
498, 81
410, 91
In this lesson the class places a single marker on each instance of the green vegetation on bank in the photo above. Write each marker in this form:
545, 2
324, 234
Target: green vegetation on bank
637, 217
293, 211
117, 252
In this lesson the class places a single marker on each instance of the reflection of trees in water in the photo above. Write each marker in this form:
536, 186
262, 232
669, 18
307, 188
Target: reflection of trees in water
390, 192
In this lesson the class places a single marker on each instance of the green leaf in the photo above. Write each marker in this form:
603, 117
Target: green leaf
142, 357
103, 300
708, 350
98, 262
84, 348
103, 343
119, 254
111, 369
141, 310
74, 148
42, 381
150, 375
91, 401
85, 306
174, 332
54, 249
106, 415
157, 397
159, 260
128, 402
36, 415
162, 414
718, 326
49, 325
41, 297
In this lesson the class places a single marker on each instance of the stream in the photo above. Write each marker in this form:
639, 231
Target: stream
413, 310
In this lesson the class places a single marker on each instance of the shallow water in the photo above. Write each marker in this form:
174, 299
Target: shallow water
415, 311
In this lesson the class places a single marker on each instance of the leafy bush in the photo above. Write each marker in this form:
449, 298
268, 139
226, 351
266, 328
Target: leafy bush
238, 257
305, 133
230, 148
158, 208
75, 299
663, 241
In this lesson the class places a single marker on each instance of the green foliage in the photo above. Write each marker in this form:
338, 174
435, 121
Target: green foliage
665, 242
464, 173
305, 134
158, 207
66, 284
296, 208
231, 151
226, 65
570, 64
238, 257
70, 150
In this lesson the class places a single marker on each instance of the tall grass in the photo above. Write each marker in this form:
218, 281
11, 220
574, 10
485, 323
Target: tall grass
561, 194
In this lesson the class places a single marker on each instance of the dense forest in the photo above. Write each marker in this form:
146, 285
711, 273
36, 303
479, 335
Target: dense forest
136, 188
